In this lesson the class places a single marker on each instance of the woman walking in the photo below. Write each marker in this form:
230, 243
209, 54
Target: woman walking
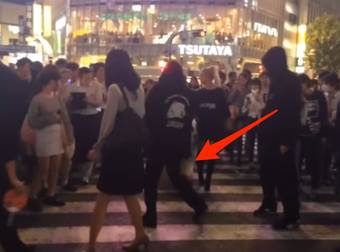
121, 172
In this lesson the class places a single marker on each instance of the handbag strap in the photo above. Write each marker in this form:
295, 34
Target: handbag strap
124, 94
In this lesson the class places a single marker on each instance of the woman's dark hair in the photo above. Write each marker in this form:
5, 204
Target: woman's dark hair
49, 73
83, 70
72, 66
119, 70
332, 80
173, 77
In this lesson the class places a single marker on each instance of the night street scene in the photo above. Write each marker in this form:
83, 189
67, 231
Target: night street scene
170, 125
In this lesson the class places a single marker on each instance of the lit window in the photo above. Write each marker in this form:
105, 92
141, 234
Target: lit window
137, 7
13, 29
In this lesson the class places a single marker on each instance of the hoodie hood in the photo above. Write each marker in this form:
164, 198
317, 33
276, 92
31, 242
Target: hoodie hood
275, 61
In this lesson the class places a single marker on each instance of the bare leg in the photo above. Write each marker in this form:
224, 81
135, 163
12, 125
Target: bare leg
40, 175
53, 175
98, 217
65, 169
135, 212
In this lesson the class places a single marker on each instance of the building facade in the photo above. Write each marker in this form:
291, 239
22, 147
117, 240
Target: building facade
26, 30
244, 28
10, 14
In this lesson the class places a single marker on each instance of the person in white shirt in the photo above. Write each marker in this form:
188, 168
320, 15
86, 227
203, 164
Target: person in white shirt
86, 103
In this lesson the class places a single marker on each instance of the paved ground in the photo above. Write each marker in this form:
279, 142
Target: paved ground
229, 226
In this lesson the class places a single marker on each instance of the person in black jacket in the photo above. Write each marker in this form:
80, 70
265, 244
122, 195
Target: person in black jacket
12, 112
314, 125
277, 140
169, 116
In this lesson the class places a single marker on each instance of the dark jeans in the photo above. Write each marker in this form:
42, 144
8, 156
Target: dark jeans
250, 140
210, 170
9, 239
278, 171
153, 172
310, 151
86, 131
237, 146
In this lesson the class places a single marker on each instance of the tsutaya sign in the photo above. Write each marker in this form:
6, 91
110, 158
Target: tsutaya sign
205, 50
265, 29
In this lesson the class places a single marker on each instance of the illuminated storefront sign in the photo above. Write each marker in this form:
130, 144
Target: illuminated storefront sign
265, 29
205, 50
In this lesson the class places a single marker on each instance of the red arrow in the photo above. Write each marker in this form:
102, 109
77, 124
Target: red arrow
211, 151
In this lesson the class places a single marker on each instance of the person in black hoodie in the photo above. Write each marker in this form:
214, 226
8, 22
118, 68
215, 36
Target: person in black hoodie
277, 141
169, 116
314, 123
12, 112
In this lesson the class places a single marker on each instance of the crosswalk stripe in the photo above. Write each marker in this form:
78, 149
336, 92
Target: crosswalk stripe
219, 175
65, 235
216, 189
233, 197
179, 206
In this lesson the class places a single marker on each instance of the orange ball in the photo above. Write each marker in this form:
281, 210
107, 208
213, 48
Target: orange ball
15, 201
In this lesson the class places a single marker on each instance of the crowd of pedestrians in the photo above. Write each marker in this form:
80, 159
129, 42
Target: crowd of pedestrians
62, 123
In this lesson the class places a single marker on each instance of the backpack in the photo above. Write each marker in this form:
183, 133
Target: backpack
129, 132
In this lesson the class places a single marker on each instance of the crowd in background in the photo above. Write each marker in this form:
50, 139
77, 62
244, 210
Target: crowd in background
67, 113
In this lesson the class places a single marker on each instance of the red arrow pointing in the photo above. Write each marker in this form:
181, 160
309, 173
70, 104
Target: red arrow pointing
211, 151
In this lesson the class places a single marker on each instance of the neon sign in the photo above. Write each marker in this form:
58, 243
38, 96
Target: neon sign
265, 29
205, 50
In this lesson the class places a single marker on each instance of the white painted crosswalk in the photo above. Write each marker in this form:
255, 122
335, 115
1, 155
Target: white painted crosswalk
64, 235
175, 224
178, 206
